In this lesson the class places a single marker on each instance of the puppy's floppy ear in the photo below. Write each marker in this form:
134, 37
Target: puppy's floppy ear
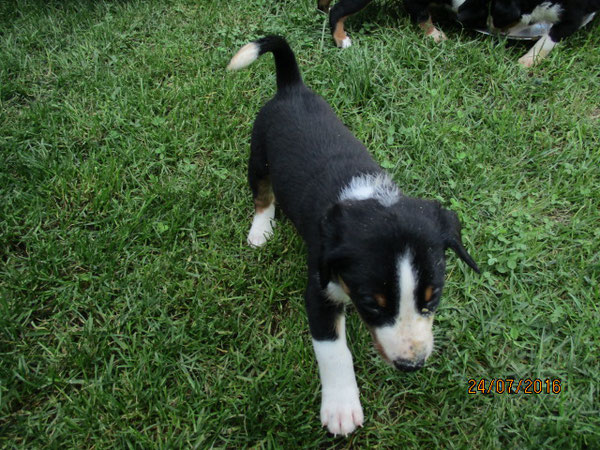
331, 252
452, 239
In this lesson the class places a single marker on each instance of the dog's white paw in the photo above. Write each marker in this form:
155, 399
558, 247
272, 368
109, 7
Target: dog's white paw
346, 42
262, 227
527, 60
341, 412
437, 35
258, 238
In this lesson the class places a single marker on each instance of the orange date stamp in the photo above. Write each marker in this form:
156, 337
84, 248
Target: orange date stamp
514, 386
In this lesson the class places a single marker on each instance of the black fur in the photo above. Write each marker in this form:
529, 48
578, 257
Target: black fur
472, 13
309, 156
506, 13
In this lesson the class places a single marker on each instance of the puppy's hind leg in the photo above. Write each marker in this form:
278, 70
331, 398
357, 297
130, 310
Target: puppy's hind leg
338, 15
323, 5
264, 200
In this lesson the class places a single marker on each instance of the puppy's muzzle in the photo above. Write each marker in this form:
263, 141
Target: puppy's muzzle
406, 365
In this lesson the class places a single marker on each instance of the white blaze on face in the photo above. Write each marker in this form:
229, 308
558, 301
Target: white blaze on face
410, 336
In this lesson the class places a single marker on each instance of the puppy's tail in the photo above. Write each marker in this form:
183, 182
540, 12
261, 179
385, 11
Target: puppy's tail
288, 74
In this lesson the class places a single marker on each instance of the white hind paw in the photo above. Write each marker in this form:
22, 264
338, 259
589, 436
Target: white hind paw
346, 42
262, 227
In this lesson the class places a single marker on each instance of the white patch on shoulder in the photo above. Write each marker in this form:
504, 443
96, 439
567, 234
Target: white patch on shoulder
410, 336
244, 57
336, 294
262, 227
341, 410
544, 12
379, 187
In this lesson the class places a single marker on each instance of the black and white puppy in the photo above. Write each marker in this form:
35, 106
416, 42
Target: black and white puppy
368, 244
471, 12
566, 17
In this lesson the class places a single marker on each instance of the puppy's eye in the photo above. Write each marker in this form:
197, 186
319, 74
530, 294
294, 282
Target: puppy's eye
370, 306
381, 300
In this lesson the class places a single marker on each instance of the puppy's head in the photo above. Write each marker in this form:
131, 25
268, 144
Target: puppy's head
504, 14
389, 261
473, 13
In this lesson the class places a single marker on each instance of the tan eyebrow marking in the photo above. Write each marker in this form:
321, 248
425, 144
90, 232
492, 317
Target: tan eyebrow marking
344, 286
428, 293
381, 300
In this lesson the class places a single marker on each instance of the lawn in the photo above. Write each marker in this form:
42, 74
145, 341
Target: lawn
132, 312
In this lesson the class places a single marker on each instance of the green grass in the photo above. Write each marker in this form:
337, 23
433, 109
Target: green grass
132, 312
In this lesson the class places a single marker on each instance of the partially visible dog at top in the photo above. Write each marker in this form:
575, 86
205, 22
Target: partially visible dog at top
566, 17
498, 16
471, 13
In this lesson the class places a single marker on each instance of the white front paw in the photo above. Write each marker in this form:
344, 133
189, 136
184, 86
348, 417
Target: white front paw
437, 35
341, 411
258, 238
527, 60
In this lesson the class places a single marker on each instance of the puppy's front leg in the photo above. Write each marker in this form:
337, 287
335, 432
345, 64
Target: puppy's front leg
341, 410
430, 30
538, 52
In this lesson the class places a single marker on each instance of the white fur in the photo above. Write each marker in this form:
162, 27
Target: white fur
346, 42
544, 12
336, 294
457, 4
379, 187
587, 19
244, 57
341, 410
538, 52
437, 35
410, 336
262, 226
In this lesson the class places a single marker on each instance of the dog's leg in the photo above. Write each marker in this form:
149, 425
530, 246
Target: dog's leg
538, 52
546, 43
338, 15
419, 13
430, 30
323, 5
341, 410
264, 200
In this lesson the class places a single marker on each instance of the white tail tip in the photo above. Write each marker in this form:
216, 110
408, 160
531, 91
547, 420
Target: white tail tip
244, 57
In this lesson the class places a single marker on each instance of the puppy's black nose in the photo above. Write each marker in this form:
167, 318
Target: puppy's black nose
407, 365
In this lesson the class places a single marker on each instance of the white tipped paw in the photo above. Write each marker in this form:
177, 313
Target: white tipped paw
437, 35
258, 238
262, 227
527, 60
341, 412
346, 42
